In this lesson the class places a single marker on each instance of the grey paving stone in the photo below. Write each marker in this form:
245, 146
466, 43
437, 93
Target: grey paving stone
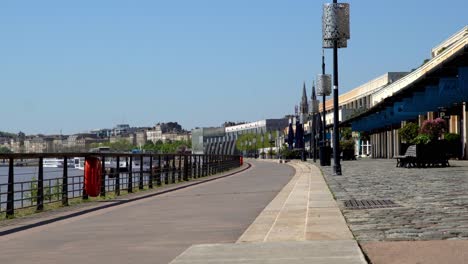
434, 200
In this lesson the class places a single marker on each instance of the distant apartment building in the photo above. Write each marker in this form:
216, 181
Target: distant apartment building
153, 135
121, 129
130, 138
102, 132
5, 142
82, 141
164, 132
17, 145
58, 143
137, 136
141, 137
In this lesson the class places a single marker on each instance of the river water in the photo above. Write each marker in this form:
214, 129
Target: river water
26, 177
27, 173
23, 179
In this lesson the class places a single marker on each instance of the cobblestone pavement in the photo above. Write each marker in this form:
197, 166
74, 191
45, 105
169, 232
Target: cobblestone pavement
434, 200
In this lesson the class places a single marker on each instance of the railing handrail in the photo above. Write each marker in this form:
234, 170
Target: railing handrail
94, 154
165, 167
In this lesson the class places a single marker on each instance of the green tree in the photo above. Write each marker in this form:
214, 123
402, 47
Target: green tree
5, 150
346, 133
408, 132
149, 146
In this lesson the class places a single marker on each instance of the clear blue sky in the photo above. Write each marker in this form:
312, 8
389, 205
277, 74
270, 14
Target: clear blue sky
79, 65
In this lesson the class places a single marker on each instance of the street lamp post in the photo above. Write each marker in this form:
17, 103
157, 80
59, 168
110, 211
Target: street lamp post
313, 124
335, 30
278, 144
241, 144
255, 143
262, 138
323, 105
271, 143
324, 89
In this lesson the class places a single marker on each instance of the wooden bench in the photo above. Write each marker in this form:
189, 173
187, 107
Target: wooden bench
409, 159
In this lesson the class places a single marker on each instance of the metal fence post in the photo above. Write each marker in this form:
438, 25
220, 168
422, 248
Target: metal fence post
173, 169
103, 177
185, 168
141, 186
40, 186
196, 172
130, 175
65, 183
199, 167
10, 210
151, 175
166, 169
180, 170
190, 167
158, 180
117, 177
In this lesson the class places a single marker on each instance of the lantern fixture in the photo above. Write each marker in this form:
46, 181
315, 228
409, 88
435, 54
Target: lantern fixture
324, 84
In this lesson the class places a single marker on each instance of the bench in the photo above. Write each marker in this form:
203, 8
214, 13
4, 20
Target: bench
423, 156
408, 159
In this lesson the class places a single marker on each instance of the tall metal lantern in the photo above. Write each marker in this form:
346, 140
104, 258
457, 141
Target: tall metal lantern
324, 84
335, 33
335, 25
314, 107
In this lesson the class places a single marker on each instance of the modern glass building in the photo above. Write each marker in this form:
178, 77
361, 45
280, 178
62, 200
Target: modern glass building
222, 140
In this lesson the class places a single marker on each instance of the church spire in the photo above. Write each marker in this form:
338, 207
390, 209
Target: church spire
314, 96
304, 104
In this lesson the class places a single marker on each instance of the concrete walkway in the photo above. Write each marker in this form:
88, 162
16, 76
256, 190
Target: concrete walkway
303, 224
155, 229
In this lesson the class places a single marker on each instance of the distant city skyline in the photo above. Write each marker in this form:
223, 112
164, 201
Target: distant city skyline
70, 67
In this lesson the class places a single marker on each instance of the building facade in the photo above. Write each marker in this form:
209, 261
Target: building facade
222, 140
438, 88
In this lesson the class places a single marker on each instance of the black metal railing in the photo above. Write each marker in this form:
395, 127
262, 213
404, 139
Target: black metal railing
35, 179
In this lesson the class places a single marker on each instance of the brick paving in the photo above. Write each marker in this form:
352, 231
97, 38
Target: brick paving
434, 200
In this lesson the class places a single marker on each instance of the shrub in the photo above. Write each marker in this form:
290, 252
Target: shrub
433, 128
421, 139
408, 132
452, 137
346, 133
454, 146
291, 154
347, 144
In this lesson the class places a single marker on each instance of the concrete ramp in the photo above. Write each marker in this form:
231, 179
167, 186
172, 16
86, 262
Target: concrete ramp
316, 252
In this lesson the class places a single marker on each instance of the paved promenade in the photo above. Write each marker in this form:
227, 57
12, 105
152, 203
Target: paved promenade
156, 229
303, 224
271, 213
431, 226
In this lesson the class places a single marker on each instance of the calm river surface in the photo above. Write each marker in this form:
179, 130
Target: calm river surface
27, 173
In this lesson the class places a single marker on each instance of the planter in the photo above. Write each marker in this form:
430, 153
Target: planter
348, 154
432, 154
324, 154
